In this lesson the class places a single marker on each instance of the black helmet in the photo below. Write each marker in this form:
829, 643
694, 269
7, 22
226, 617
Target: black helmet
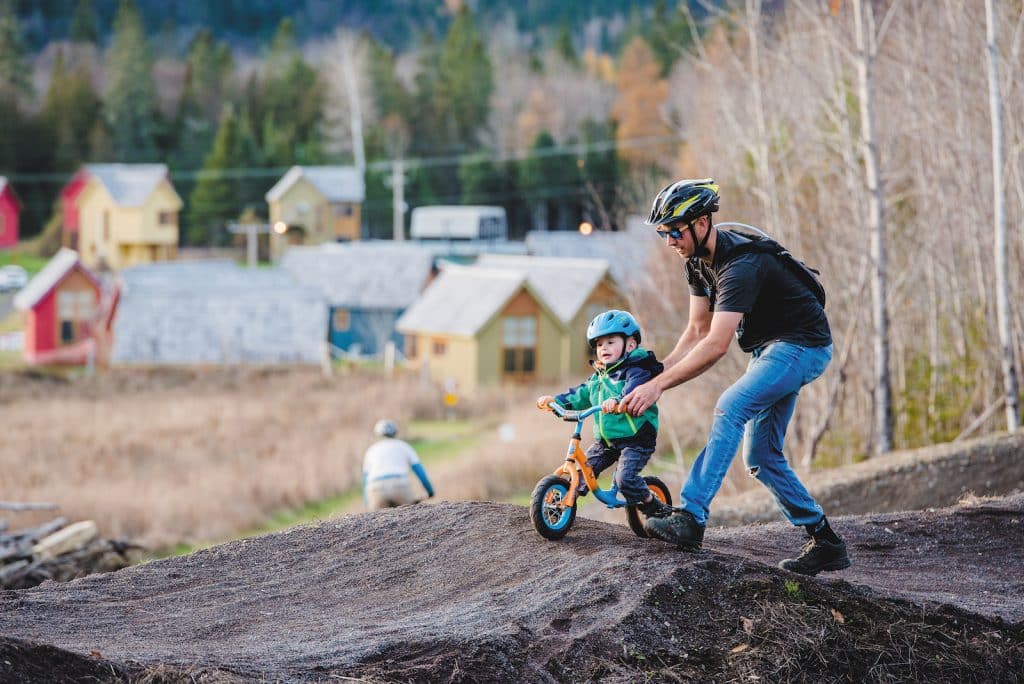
684, 201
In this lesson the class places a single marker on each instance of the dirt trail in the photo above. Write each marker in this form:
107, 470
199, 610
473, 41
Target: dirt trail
470, 592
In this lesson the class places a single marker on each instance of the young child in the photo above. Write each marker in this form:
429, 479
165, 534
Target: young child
621, 365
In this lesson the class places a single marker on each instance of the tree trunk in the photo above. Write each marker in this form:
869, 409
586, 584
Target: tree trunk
865, 41
999, 207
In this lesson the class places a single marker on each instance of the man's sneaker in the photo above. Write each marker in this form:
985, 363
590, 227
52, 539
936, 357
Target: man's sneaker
680, 528
655, 508
816, 556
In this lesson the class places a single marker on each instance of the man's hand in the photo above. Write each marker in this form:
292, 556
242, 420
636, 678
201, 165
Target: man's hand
609, 406
543, 401
641, 398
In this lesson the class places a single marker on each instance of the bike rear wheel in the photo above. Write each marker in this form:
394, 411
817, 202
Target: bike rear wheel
636, 519
550, 518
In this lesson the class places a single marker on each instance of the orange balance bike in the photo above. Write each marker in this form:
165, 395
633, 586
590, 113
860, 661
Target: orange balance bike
553, 502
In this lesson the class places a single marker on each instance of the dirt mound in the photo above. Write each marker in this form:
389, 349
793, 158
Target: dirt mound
470, 592
929, 477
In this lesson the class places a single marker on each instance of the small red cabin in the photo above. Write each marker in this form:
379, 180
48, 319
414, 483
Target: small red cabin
60, 304
69, 207
10, 209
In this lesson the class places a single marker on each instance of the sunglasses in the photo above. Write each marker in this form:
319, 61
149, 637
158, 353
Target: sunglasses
673, 233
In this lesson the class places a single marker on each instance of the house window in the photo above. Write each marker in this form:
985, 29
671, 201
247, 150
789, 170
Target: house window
168, 218
519, 346
342, 210
410, 346
73, 309
342, 320
440, 346
106, 225
67, 332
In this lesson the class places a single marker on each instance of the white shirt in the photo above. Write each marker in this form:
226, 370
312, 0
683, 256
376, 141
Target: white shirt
389, 458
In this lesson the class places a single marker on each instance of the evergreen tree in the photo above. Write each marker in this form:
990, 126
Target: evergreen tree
389, 95
550, 182
482, 180
130, 104
84, 23
15, 74
207, 88
215, 198
564, 46
467, 81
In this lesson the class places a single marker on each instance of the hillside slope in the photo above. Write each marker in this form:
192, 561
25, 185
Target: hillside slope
470, 592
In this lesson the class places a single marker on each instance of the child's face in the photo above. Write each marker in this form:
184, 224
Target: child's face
610, 348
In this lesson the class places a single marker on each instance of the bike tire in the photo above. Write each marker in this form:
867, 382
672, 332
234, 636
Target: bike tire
550, 521
635, 517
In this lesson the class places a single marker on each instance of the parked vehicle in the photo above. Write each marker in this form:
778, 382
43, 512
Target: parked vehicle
12, 277
459, 223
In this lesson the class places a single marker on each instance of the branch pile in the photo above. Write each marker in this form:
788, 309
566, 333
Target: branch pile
55, 550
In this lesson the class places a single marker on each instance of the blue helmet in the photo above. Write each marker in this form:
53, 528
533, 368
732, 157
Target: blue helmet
613, 322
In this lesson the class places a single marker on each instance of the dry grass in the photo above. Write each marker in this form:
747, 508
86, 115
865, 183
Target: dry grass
192, 456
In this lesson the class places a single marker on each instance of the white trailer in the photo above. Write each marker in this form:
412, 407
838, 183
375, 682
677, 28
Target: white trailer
459, 223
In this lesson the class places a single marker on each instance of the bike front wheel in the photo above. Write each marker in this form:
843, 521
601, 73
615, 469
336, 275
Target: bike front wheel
636, 519
551, 519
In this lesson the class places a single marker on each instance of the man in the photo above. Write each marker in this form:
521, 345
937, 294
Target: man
386, 467
776, 310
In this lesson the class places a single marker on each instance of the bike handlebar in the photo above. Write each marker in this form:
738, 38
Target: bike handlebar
570, 416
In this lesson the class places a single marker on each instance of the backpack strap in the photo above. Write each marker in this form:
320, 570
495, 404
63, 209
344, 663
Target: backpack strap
765, 245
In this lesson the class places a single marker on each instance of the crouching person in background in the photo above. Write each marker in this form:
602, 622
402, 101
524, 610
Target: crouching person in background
387, 467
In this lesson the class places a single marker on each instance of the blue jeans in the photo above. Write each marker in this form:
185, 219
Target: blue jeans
758, 407
632, 460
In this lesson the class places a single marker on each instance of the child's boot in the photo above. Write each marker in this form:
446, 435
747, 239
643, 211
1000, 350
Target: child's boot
655, 508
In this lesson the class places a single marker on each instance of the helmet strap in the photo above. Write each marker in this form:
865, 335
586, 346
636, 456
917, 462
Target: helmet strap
699, 249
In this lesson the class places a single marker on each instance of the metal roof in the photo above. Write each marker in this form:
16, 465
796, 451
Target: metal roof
217, 312
336, 183
364, 275
129, 185
565, 284
461, 300
627, 252
56, 268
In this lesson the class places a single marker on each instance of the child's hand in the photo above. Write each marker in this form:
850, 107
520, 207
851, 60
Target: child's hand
543, 401
610, 406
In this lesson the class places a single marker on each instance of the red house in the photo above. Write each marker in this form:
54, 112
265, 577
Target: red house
69, 207
10, 208
61, 305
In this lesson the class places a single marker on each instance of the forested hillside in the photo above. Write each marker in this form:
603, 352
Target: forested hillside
858, 133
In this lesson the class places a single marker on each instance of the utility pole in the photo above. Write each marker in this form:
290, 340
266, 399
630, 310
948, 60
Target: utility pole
398, 199
251, 230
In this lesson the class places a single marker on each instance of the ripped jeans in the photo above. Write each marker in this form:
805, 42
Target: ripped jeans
757, 408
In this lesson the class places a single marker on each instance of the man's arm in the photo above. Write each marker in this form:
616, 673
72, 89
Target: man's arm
701, 356
697, 327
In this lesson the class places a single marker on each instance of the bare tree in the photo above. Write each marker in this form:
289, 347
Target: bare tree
999, 207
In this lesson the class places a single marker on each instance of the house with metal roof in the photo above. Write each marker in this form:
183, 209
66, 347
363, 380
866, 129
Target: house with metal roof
508, 319
59, 307
311, 205
367, 285
627, 252
10, 211
121, 215
216, 312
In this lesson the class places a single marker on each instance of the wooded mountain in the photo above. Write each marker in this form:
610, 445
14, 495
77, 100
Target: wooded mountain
397, 23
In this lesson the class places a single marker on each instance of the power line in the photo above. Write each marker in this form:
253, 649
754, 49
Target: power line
479, 157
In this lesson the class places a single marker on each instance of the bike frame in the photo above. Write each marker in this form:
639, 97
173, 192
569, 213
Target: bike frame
576, 462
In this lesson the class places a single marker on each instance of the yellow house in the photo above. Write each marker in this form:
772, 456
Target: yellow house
127, 215
507, 319
315, 204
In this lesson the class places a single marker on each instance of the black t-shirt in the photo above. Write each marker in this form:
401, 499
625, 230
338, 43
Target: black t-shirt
775, 304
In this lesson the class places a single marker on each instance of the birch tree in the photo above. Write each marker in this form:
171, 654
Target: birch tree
999, 218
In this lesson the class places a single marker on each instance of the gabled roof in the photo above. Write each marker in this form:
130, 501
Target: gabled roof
129, 185
7, 187
565, 284
336, 183
62, 263
626, 251
461, 300
363, 275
